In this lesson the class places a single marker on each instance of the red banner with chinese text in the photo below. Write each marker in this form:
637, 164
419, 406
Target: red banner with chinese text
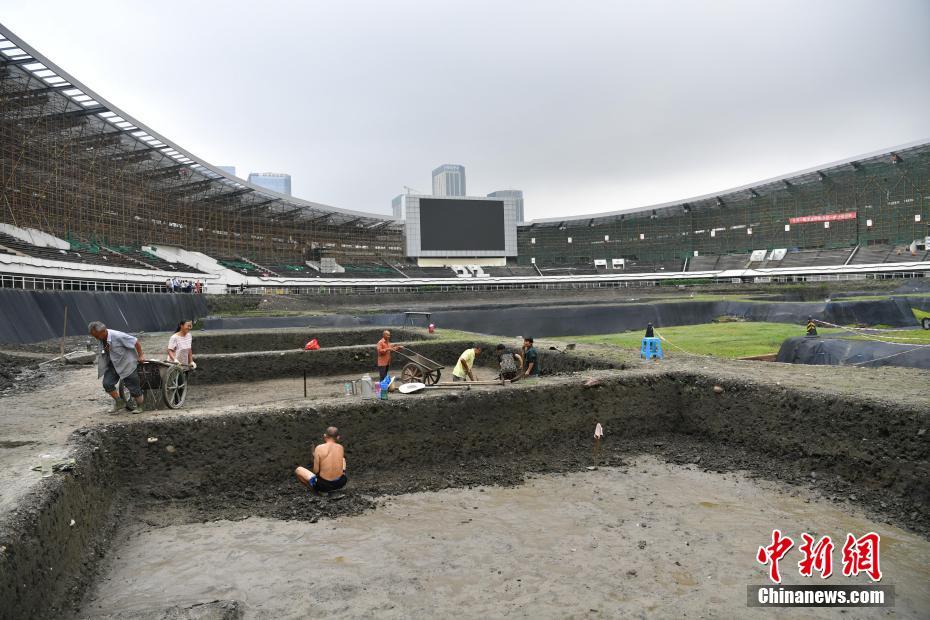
828, 217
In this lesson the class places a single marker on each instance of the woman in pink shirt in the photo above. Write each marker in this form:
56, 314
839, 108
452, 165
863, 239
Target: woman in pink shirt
179, 345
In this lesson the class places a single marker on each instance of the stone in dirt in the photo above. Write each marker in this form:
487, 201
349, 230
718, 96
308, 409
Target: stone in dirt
214, 610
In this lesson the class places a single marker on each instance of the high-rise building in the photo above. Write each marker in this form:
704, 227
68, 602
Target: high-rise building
449, 180
228, 169
516, 195
397, 207
275, 181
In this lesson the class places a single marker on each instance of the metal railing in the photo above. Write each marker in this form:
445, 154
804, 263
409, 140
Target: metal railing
382, 289
40, 283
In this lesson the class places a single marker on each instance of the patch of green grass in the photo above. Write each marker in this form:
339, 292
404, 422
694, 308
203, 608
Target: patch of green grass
730, 340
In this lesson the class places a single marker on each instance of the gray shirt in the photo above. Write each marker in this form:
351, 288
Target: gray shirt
122, 354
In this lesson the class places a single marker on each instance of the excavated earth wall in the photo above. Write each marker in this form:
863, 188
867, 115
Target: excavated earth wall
235, 465
329, 361
282, 339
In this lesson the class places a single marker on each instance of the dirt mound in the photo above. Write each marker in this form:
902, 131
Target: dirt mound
17, 371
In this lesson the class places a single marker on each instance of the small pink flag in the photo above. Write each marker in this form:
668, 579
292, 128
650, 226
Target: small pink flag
598, 431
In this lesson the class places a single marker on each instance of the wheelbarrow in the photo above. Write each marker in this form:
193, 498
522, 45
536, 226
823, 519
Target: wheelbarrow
419, 368
162, 383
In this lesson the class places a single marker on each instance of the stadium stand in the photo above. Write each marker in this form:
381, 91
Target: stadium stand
814, 258
79, 169
93, 254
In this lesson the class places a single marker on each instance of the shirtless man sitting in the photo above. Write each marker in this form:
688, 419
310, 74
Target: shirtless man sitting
328, 472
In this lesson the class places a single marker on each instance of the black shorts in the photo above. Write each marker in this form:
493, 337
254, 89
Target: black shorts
321, 485
382, 372
111, 378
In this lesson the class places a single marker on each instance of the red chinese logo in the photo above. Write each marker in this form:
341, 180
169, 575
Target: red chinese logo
860, 555
773, 553
817, 557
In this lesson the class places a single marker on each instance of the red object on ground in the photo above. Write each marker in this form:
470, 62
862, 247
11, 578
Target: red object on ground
432, 328
313, 345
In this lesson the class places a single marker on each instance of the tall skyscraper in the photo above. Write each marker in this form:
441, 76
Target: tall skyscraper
397, 207
449, 180
275, 181
228, 169
517, 196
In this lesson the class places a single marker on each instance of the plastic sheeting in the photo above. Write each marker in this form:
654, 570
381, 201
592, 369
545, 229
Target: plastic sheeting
581, 320
33, 316
842, 352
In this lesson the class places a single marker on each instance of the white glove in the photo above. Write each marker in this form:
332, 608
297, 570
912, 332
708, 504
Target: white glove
193, 365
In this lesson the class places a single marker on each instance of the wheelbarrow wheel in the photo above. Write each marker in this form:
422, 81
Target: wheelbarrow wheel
412, 373
432, 378
175, 387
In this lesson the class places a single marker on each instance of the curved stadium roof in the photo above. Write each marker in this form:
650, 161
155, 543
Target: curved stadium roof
128, 138
132, 142
759, 188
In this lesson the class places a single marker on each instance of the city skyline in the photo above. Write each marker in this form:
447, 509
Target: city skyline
275, 181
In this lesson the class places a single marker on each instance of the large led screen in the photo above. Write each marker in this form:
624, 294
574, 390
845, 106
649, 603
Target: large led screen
469, 225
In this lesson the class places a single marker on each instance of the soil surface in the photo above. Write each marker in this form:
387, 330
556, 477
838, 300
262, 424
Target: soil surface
646, 539
851, 440
18, 373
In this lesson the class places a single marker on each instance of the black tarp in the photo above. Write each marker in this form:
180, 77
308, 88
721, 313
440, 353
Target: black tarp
33, 316
843, 352
580, 320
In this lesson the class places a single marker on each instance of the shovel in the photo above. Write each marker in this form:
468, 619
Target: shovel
413, 388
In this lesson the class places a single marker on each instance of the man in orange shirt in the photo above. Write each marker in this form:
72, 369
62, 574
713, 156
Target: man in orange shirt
385, 348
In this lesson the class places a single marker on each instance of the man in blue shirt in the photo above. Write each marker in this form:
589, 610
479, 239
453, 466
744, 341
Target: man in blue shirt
530, 358
118, 358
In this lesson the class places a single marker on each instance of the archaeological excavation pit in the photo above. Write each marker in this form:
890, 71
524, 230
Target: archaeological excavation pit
454, 495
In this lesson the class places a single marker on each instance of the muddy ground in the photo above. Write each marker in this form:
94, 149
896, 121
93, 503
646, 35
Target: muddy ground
855, 439
644, 539
19, 373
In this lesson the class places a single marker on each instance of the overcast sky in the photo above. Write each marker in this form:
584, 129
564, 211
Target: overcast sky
587, 106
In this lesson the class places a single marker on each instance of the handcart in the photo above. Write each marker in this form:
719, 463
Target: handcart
419, 368
162, 383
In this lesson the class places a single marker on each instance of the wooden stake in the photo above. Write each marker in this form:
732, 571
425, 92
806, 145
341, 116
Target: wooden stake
305, 384
64, 332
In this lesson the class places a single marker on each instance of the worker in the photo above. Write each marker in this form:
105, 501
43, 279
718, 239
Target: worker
530, 359
464, 368
328, 472
118, 358
650, 333
509, 363
180, 348
385, 348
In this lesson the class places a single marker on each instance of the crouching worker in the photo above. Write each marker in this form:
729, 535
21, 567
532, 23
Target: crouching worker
118, 358
328, 472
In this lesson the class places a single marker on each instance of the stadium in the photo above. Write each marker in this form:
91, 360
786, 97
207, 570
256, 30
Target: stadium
128, 517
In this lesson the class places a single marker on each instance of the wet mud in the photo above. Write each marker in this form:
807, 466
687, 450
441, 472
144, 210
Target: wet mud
642, 539
162, 472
